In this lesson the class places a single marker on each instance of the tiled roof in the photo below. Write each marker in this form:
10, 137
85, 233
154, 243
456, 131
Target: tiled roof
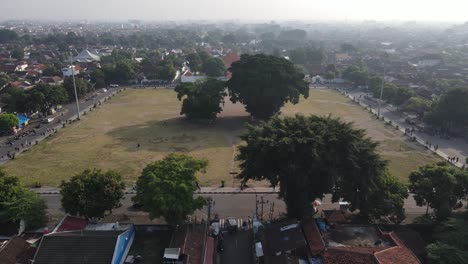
334, 216
313, 236
345, 256
16, 251
230, 58
90, 247
71, 223
398, 254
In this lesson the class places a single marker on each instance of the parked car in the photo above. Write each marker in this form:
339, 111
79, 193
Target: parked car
114, 85
231, 224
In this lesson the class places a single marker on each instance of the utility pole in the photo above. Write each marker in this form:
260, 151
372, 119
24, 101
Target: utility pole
262, 203
256, 205
381, 91
74, 86
211, 204
272, 209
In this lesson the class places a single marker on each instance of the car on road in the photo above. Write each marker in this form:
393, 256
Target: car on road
231, 224
114, 85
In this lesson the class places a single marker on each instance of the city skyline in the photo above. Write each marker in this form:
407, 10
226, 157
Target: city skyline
241, 10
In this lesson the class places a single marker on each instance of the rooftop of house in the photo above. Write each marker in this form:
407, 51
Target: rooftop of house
16, 250
71, 223
313, 236
77, 247
283, 237
336, 216
357, 236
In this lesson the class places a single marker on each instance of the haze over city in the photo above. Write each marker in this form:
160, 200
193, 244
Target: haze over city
234, 132
158, 10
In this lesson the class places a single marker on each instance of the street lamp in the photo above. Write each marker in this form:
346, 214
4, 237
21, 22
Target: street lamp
381, 91
74, 86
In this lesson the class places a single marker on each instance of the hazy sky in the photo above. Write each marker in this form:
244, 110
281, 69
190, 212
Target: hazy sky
420, 10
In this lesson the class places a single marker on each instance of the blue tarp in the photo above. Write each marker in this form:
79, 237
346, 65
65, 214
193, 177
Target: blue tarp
22, 119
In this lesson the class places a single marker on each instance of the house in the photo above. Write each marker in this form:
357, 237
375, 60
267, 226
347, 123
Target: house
305, 242
21, 66
69, 70
54, 80
229, 58
75, 240
86, 56
16, 250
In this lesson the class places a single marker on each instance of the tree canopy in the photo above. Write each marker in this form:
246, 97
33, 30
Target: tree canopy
307, 55
439, 186
450, 111
264, 83
213, 67
82, 87
194, 61
311, 156
165, 188
202, 99
18, 203
7, 122
7, 35
451, 245
92, 193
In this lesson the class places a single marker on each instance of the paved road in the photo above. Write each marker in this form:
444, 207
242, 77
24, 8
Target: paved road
237, 249
455, 147
68, 112
239, 206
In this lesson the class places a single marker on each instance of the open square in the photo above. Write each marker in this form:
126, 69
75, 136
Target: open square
139, 126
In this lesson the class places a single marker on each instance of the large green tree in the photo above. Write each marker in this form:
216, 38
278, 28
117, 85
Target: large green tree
7, 35
92, 193
165, 188
45, 96
311, 156
439, 186
82, 87
27, 206
450, 111
202, 99
451, 245
213, 67
18, 203
264, 83
7, 122
194, 61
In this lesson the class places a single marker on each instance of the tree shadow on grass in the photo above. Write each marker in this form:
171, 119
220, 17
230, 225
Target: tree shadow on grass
181, 135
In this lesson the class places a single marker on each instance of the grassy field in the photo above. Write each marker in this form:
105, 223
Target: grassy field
403, 156
108, 138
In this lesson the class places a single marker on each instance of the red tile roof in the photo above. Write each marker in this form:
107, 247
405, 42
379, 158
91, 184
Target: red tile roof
398, 254
71, 223
230, 58
14, 250
334, 216
345, 256
313, 236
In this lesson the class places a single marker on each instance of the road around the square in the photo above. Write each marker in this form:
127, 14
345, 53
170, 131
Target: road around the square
454, 147
238, 205
67, 113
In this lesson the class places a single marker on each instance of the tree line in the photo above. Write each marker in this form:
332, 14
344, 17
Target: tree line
447, 112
